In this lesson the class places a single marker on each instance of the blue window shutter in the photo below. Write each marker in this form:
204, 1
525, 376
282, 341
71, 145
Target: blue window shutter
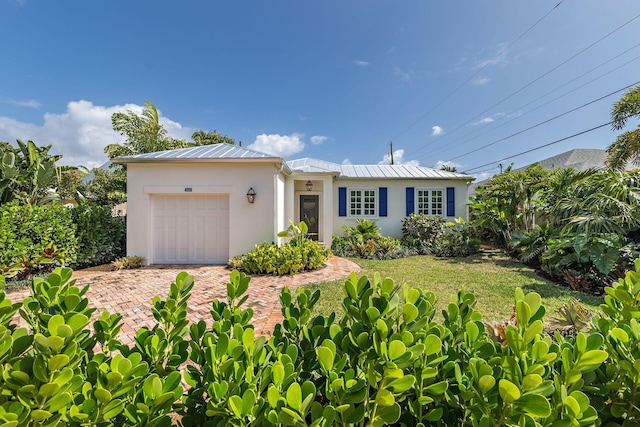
382, 209
410, 200
451, 201
342, 201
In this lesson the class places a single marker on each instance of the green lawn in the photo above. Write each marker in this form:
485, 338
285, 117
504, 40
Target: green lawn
491, 275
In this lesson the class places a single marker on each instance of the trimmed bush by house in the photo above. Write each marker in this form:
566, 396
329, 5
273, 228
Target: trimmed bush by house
297, 254
288, 258
385, 362
364, 240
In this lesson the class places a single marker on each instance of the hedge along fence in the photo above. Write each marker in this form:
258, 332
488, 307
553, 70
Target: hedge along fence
385, 362
82, 236
26, 230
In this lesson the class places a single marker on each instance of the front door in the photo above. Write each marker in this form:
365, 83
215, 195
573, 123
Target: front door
309, 213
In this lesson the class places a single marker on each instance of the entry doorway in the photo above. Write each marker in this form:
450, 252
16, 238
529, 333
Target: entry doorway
309, 212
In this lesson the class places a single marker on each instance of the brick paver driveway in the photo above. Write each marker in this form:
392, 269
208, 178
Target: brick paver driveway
129, 292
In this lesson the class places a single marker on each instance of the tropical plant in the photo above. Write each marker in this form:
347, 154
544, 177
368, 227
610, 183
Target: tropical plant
362, 231
295, 233
530, 245
27, 173
626, 147
144, 134
508, 203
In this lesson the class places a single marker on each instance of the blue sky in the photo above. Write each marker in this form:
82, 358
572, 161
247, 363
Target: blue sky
336, 80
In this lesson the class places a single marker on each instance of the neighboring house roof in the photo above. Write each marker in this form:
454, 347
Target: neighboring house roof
579, 159
401, 171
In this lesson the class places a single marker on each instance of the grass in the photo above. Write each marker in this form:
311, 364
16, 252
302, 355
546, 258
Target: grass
491, 275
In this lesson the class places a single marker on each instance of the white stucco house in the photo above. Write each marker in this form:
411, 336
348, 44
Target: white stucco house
204, 205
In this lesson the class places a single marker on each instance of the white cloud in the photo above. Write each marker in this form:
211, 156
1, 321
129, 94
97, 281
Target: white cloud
278, 145
398, 159
480, 81
361, 63
440, 163
497, 55
302, 117
81, 133
483, 121
30, 103
403, 76
437, 131
318, 139
346, 161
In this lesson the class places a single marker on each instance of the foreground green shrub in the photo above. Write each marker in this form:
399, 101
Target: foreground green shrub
101, 236
26, 231
387, 361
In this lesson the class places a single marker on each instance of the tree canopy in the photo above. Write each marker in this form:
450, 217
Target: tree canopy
201, 137
144, 134
626, 147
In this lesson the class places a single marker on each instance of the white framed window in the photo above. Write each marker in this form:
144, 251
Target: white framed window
430, 201
362, 202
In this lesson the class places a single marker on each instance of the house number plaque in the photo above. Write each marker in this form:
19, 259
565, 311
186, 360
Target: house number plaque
188, 190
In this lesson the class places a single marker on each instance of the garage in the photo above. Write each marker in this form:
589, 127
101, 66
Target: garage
190, 229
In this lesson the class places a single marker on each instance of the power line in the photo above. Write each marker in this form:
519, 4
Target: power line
538, 78
543, 122
492, 61
541, 146
494, 128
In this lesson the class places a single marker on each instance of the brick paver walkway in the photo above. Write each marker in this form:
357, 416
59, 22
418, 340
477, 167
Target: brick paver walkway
129, 292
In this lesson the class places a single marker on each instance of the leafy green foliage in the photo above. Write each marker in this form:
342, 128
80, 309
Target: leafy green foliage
107, 188
297, 254
434, 236
27, 173
363, 240
201, 137
626, 147
101, 236
144, 133
279, 260
386, 361
26, 231
588, 221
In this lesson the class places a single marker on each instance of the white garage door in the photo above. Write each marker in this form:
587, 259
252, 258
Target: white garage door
190, 229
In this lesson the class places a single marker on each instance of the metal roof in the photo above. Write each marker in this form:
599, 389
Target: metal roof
401, 171
313, 165
230, 152
203, 152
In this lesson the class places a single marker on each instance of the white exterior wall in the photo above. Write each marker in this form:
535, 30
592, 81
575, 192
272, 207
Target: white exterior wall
391, 225
280, 203
248, 223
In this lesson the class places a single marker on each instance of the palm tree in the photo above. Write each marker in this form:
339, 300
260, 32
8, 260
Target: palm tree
144, 133
626, 147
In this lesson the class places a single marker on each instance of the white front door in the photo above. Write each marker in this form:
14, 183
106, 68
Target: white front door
190, 229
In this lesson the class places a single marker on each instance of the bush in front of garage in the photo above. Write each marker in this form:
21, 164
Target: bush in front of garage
289, 258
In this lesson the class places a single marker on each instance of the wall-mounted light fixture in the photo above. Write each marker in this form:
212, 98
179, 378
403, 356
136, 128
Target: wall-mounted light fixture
309, 185
251, 195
